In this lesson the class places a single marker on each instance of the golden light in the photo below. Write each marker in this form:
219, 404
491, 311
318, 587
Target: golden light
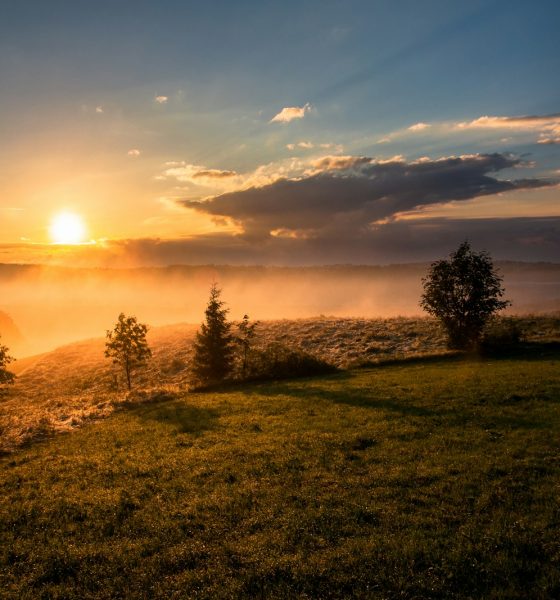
67, 228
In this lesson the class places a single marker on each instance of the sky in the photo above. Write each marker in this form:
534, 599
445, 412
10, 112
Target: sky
287, 133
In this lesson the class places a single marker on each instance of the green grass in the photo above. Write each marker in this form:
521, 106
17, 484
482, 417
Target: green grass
430, 479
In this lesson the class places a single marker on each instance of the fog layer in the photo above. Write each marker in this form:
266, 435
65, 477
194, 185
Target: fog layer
50, 306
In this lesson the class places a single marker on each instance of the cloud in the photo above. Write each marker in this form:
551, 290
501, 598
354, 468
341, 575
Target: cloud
289, 113
326, 163
310, 145
186, 172
99, 110
161, 99
303, 145
134, 152
213, 174
524, 239
419, 127
346, 193
548, 126
520, 122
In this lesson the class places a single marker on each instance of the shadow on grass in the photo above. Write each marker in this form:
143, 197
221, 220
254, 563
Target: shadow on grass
525, 351
185, 418
459, 412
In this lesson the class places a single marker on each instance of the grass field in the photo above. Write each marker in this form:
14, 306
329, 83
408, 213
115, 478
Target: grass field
74, 385
435, 478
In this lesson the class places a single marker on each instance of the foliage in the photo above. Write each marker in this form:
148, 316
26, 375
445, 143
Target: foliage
213, 358
245, 336
6, 377
277, 361
127, 345
463, 293
368, 475
501, 334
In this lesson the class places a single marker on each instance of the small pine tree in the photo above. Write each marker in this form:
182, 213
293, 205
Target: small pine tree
213, 358
245, 336
5, 359
127, 345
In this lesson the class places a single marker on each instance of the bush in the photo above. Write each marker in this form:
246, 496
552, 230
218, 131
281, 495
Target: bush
501, 334
277, 361
6, 377
464, 294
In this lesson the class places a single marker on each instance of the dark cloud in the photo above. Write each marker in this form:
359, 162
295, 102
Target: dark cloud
526, 239
352, 194
400, 241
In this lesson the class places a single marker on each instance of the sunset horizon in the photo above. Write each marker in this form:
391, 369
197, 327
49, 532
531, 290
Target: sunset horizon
344, 136
280, 299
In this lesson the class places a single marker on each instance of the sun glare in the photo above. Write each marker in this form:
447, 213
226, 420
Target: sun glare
67, 228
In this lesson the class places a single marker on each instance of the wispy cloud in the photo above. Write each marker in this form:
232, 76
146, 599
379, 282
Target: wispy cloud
289, 113
134, 152
304, 145
533, 122
213, 174
202, 176
546, 126
99, 110
419, 127
161, 99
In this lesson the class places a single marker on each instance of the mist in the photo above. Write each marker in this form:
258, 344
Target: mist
44, 307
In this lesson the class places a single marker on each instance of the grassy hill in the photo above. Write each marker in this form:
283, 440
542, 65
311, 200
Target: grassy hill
436, 478
61, 390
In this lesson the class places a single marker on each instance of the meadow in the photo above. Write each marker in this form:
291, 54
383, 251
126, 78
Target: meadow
424, 475
437, 478
59, 391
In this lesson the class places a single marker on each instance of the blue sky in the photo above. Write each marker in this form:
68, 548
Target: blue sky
138, 116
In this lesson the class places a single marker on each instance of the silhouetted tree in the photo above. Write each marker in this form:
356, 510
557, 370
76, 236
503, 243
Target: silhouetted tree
213, 358
463, 293
127, 345
245, 336
5, 359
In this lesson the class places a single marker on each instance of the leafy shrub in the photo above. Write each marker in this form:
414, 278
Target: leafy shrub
277, 361
463, 293
6, 377
501, 334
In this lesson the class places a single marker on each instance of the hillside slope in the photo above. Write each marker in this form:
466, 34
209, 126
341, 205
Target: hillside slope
60, 390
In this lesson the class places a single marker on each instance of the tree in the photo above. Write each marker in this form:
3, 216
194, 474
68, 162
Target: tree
245, 336
127, 345
213, 358
5, 359
463, 293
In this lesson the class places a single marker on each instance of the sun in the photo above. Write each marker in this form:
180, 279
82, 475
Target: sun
67, 228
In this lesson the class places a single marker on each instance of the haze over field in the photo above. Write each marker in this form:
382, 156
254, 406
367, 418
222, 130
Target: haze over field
52, 305
354, 134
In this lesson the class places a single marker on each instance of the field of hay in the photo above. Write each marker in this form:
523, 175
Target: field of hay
63, 389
